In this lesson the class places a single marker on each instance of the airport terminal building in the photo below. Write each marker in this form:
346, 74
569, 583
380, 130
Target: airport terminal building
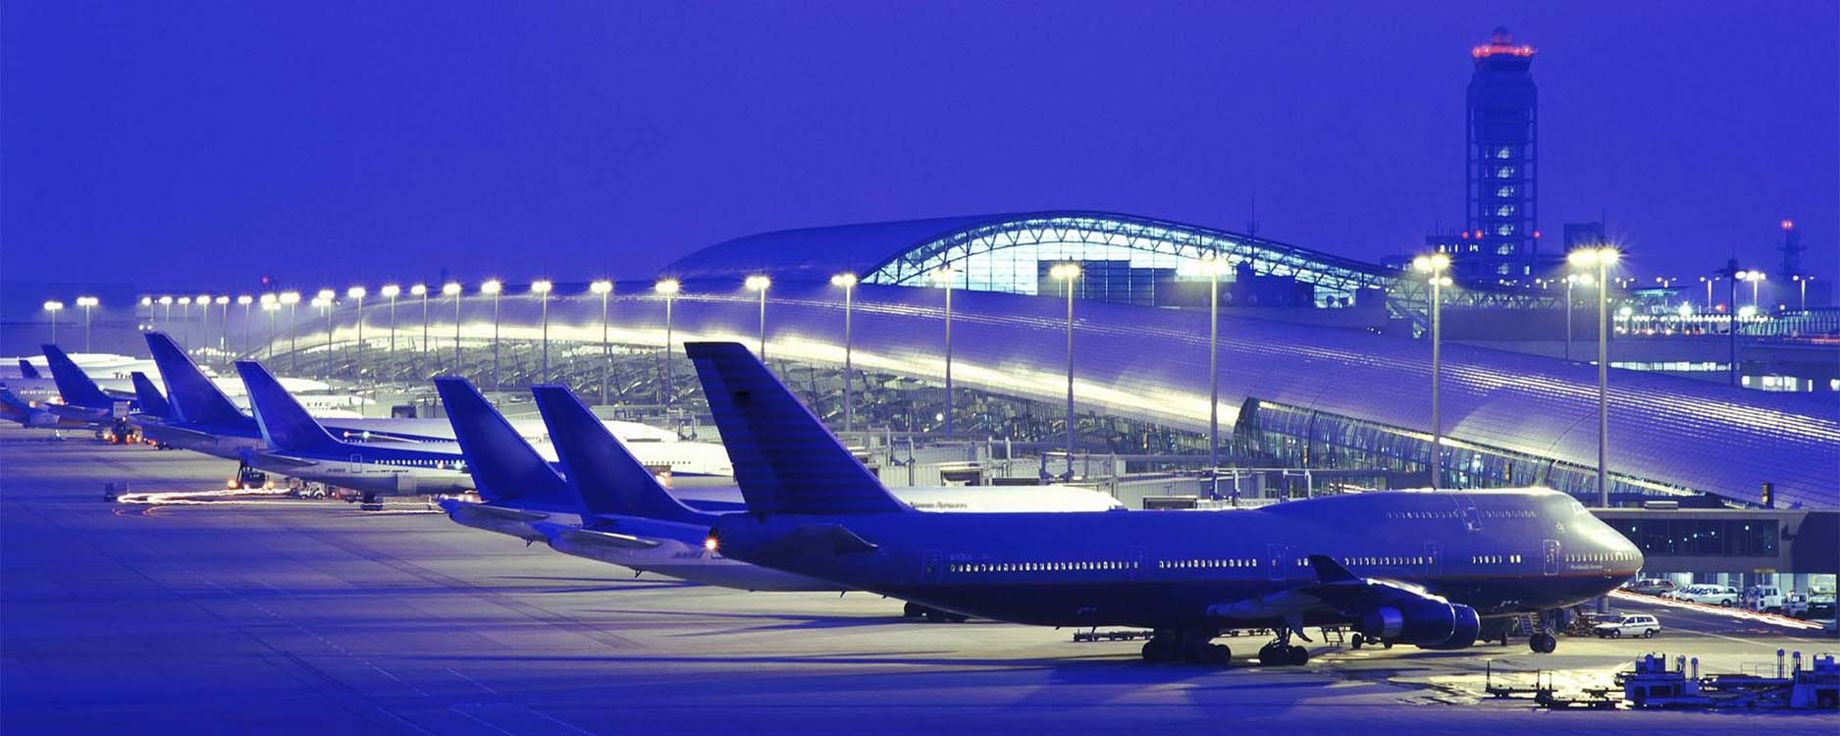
978, 304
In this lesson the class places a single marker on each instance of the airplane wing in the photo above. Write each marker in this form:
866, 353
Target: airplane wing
610, 539
1386, 609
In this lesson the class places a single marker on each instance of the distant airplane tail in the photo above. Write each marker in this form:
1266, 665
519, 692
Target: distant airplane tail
195, 398
506, 469
75, 386
152, 403
606, 476
785, 460
27, 370
285, 423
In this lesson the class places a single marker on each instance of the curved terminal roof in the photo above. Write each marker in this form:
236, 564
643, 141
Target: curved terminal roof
1151, 364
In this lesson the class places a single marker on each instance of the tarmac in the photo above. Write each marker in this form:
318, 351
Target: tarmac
250, 613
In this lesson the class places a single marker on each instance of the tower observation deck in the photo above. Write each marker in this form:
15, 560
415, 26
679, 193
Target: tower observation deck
1502, 162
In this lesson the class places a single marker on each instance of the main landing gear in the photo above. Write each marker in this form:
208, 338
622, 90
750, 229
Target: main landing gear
1282, 652
1193, 647
931, 614
1542, 642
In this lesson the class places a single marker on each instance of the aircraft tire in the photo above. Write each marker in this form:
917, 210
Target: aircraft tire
1357, 641
1298, 656
1542, 643
1155, 651
913, 610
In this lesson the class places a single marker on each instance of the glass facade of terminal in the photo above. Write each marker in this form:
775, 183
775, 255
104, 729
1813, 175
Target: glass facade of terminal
1689, 537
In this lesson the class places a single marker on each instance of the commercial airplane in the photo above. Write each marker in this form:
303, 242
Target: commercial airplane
630, 518
297, 446
83, 400
1422, 568
153, 404
28, 414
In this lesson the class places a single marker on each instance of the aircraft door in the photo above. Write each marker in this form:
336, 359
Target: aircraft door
1275, 557
357, 464
1550, 554
932, 566
1434, 557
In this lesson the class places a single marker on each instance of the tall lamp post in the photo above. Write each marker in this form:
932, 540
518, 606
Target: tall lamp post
357, 293
166, 303
270, 304
604, 288
323, 302
452, 289
1213, 265
847, 282
391, 291
291, 299
247, 301
1433, 267
541, 288
1798, 278
760, 283
945, 278
223, 339
491, 288
1601, 258
1757, 278
420, 291
89, 302
204, 317
185, 320
1067, 274
667, 288
52, 307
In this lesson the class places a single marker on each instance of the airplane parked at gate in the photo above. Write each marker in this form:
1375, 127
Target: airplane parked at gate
1433, 569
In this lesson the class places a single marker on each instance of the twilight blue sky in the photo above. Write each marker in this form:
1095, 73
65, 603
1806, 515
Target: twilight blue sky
198, 145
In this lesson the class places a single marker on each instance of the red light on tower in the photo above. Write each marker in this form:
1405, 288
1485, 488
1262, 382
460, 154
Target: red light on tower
1788, 224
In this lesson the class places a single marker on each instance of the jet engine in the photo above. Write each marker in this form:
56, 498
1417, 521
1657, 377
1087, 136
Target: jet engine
1426, 622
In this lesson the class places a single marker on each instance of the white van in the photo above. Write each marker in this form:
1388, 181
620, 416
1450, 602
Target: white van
1764, 599
1718, 595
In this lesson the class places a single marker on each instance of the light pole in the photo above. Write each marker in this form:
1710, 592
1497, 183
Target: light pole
204, 317
223, 339
604, 288
53, 307
1601, 257
453, 289
357, 293
245, 300
1067, 273
1798, 278
292, 300
89, 302
491, 288
1434, 266
847, 282
185, 320
391, 291
668, 289
270, 306
944, 277
324, 304
166, 302
270, 303
1213, 265
541, 288
420, 291
760, 283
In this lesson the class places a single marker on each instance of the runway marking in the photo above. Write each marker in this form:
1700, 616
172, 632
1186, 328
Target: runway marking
562, 723
480, 721
481, 685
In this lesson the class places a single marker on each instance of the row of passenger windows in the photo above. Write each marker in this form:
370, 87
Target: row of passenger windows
1421, 514
1081, 566
1389, 561
1495, 559
1601, 557
1229, 563
444, 464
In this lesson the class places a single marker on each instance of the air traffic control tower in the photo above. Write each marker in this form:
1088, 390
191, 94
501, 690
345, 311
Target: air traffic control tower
1502, 158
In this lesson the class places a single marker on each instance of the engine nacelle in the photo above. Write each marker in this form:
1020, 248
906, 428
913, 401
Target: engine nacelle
1427, 623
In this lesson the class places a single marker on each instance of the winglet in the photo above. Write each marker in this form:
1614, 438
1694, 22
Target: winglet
152, 403
606, 476
1330, 571
785, 460
194, 396
506, 470
27, 370
75, 386
285, 423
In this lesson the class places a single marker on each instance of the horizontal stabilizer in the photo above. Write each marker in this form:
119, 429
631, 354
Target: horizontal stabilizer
152, 403
73, 385
506, 469
785, 460
285, 423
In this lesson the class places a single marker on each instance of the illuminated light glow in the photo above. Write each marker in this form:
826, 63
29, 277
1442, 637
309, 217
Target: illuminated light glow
166, 300
327, 294
450, 288
1065, 271
270, 306
847, 280
185, 301
1686, 310
355, 292
710, 544
758, 283
602, 286
1747, 311
146, 301
390, 291
53, 305
204, 299
419, 290
290, 297
245, 300
667, 287
87, 301
490, 287
541, 286
1602, 256
222, 300
1788, 224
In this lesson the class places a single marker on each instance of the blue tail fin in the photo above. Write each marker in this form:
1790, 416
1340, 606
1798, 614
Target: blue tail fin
73, 384
152, 403
195, 397
785, 460
27, 370
602, 471
506, 470
285, 423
